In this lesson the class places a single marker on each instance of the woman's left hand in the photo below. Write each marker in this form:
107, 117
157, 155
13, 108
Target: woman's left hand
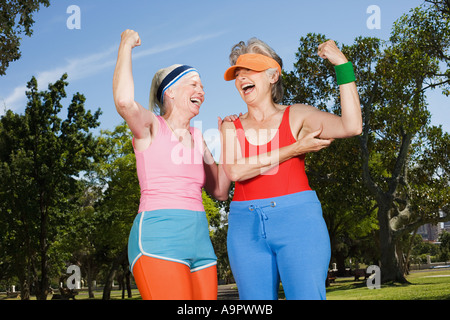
329, 50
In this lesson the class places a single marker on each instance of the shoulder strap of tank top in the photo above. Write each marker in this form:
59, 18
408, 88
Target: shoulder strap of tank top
162, 124
285, 120
237, 123
285, 128
240, 133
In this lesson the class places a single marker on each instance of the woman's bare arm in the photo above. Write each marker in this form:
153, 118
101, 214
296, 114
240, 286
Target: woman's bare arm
350, 122
140, 120
238, 168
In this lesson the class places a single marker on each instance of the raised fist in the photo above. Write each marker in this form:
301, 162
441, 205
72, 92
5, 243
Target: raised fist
131, 38
329, 50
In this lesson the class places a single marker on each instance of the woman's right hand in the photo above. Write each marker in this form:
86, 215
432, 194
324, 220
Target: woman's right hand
310, 143
131, 38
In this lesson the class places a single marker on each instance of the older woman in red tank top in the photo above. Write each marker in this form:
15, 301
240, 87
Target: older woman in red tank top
276, 229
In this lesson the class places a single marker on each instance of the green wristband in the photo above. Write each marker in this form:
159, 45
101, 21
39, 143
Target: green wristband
344, 73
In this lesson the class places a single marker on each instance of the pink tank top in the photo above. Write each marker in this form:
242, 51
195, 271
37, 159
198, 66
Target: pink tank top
171, 176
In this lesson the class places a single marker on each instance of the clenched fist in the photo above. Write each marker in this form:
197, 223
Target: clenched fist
329, 50
131, 37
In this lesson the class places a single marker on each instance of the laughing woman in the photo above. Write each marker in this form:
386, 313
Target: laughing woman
169, 248
275, 226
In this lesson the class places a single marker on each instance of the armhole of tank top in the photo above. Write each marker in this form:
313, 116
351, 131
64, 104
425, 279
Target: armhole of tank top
156, 136
287, 126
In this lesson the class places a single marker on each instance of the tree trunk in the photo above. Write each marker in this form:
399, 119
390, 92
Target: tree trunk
128, 281
109, 280
90, 279
44, 281
115, 266
408, 253
24, 290
390, 268
340, 263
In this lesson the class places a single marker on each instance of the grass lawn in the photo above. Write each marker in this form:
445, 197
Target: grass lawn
424, 285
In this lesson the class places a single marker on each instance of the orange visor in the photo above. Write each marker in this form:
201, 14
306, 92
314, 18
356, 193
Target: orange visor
252, 61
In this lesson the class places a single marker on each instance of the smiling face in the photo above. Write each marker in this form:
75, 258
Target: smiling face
253, 86
188, 94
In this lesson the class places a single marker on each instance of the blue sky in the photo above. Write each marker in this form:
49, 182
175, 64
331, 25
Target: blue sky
197, 32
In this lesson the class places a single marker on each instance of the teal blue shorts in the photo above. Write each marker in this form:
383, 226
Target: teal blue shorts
171, 234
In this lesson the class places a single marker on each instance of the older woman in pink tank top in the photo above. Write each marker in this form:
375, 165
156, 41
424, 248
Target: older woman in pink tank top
169, 249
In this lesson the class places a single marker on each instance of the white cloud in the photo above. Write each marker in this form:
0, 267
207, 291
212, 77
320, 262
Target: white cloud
80, 68
77, 69
18, 94
174, 45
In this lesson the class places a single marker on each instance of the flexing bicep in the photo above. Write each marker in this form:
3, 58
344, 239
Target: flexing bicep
348, 124
307, 119
330, 124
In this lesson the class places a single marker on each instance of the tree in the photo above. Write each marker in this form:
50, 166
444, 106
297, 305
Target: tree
441, 5
82, 244
444, 247
118, 205
392, 80
16, 18
42, 159
409, 66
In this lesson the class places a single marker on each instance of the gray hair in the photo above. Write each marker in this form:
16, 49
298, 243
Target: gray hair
255, 45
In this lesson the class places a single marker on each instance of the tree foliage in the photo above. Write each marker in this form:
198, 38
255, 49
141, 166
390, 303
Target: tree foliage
42, 157
16, 18
392, 78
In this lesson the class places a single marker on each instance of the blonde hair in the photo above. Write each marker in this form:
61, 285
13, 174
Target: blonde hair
154, 103
255, 45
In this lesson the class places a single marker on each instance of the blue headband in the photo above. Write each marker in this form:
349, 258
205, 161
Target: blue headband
171, 78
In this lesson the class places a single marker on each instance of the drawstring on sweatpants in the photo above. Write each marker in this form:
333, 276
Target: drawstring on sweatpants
262, 215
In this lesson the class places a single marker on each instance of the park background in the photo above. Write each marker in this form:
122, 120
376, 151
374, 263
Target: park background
49, 220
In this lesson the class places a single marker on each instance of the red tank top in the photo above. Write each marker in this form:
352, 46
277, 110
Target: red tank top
287, 178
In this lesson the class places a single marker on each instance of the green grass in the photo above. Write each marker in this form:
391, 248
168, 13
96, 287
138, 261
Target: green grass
83, 295
115, 295
424, 285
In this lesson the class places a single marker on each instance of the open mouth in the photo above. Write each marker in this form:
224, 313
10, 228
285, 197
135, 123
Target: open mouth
196, 101
247, 88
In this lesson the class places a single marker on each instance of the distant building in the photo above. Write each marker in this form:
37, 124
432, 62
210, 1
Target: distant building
430, 232
446, 226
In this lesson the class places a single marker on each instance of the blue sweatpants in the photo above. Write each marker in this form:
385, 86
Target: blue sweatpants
283, 237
